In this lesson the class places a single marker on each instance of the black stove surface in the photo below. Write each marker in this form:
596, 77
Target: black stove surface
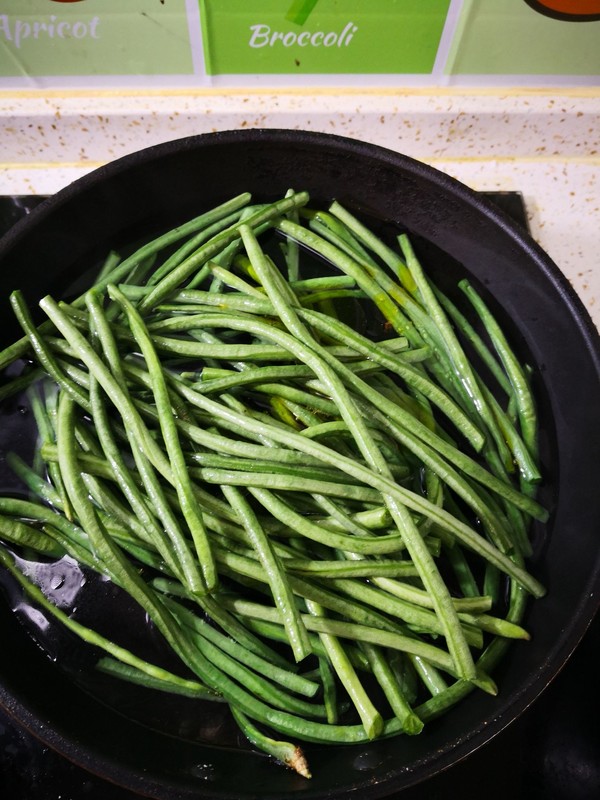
552, 752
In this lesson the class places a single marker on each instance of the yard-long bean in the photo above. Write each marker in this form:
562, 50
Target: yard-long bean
320, 520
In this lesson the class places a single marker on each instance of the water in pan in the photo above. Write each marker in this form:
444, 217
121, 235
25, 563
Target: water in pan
84, 597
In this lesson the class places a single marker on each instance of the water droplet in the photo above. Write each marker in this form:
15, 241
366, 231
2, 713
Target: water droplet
57, 581
367, 760
204, 771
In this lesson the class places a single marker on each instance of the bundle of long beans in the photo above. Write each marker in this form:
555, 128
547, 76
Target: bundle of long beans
303, 510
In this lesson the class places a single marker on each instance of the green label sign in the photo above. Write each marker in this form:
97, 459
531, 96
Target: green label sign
321, 36
510, 37
94, 37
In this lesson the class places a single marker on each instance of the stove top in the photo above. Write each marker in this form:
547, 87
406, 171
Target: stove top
552, 752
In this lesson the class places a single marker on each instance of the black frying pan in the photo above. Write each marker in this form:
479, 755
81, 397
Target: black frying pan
457, 232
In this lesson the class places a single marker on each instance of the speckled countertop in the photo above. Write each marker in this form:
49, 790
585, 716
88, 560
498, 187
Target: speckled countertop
543, 143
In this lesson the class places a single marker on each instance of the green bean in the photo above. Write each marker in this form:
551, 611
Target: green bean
355, 469
181, 558
276, 633
297, 396
462, 570
235, 565
15, 386
234, 281
115, 563
453, 347
355, 569
356, 270
191, 245
353, 631
282, 511
49, 520
279, 585
438, 704
116, 461
119, 397
410, 722
360, 524
252, 470
370, 717
289, 754
235, 447
227, 352
467, 465
403, 369
237, 631
286, 677
329, 228
275, 481
404, 674
327, 295
216, 461
516, 375
42, 352
364, 235
46, 432
176, 234
87, 634
417, 617
495, 625
257, 684
182, 272
279, 294
330, 692
430, 676
181, 476
16, 532
389, 408
167, 682
116, 272
467, 330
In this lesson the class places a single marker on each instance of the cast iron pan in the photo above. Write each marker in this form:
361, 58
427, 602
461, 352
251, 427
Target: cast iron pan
457, 233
